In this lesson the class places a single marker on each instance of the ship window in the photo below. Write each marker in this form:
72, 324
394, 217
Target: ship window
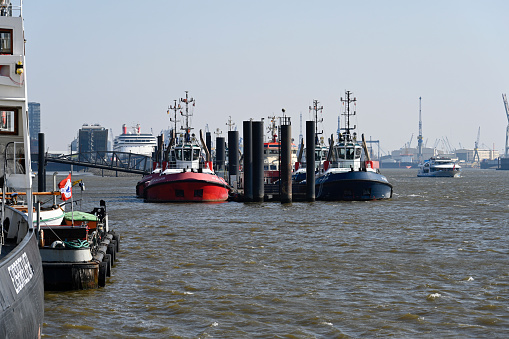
179, 193
198, 193
357, 153
341, 153
5, 41
350, 153
179, 154
8, 120
187, 155
196, 154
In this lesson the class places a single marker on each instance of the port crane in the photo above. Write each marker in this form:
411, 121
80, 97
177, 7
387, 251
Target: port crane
476, 152
506, 151
419, 137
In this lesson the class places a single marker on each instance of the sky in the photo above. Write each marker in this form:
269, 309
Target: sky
116, 62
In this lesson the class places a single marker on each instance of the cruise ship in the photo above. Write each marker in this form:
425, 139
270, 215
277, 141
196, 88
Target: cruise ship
134, 141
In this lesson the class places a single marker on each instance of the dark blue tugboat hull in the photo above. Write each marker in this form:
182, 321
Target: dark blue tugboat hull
353, 186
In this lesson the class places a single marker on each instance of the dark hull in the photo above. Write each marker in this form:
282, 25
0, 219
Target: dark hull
353, 186
22, 291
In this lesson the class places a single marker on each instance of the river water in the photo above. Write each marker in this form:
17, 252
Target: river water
430, 262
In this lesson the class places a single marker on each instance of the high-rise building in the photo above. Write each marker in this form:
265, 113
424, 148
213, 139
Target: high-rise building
34, 121
92, 138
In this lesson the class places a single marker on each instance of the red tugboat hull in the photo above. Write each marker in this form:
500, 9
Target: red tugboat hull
183, 187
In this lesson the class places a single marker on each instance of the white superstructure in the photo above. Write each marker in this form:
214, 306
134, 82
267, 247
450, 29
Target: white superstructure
135, 142
439, 167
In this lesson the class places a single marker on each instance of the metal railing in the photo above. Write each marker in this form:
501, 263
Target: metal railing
109, 160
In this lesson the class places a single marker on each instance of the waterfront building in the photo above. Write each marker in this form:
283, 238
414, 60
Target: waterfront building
92, 138
34, 122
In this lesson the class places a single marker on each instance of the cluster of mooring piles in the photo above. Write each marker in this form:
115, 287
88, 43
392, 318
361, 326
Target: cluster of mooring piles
258, 179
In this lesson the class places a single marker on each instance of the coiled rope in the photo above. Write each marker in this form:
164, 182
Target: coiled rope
77, 243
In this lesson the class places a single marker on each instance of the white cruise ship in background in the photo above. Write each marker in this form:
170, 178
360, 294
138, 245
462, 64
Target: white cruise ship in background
134, 141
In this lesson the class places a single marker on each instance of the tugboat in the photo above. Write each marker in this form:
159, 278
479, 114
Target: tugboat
321, 150
346, 177
439, 167
271, 150
21, 275
184, 175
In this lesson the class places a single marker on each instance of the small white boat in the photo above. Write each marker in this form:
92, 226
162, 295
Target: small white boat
439, 167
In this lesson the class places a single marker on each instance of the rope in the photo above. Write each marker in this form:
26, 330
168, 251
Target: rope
77, 243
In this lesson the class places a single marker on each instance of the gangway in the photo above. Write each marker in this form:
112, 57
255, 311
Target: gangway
109, 160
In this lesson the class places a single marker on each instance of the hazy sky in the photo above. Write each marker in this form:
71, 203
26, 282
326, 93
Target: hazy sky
115, 62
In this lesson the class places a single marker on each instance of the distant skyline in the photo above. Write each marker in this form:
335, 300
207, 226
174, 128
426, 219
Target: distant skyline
125, 62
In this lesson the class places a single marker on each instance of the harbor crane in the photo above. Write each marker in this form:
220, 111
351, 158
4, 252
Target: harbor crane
419, 137
506, 151
410, 142
476, 152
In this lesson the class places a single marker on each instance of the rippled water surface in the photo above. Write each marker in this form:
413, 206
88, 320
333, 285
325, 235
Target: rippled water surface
431, 262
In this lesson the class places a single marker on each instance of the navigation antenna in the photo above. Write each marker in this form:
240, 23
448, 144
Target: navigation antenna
272, 128
338, 131
419, 138
230, 124
174, 108
300, 130
187, 101
347, 114
314, 109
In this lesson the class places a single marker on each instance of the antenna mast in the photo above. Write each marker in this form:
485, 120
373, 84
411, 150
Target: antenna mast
347, 114
300, 132
315, 109
187, 101
230, 123
174, 108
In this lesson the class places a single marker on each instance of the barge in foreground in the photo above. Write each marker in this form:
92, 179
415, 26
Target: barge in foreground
79, 253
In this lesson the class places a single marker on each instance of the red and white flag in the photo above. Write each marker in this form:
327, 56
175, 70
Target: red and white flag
66, 188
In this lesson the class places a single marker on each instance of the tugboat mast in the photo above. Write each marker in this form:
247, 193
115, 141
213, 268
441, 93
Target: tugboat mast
347, 114
230, 123
187, 101
174, 108
315, 110
272, 129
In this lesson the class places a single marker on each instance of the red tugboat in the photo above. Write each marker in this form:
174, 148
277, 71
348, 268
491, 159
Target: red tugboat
184, 175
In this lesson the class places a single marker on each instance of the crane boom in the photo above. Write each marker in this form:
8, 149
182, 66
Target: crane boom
476, 148
419, 138
506, 151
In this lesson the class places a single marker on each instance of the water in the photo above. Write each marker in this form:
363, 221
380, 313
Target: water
431, 262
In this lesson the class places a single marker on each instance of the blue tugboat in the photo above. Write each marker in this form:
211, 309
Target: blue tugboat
346, 176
